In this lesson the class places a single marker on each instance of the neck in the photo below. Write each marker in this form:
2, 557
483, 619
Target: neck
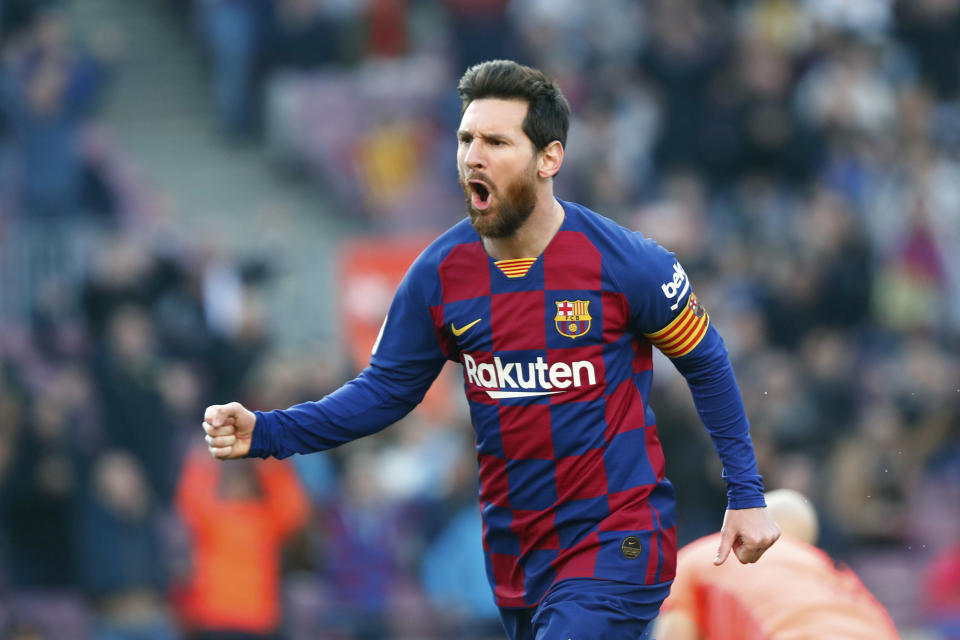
532, 238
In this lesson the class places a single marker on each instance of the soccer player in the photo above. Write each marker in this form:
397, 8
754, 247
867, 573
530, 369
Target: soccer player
553, 311
796, 592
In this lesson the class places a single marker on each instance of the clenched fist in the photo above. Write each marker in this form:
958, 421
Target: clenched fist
229, 429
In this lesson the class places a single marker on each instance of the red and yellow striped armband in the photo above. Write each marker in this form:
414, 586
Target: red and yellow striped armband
684, 332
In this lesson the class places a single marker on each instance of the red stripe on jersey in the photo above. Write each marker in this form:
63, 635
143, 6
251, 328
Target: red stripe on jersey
668, 544
642, 356
508, 576
580, 560
494, 485
465, 273
586, 391
615, 311
655, 452
581, 477
624, 409
478, 395
653, 559
447, 344
535, 530
518, 321
629, 510
571, 261
473, 392
525, 432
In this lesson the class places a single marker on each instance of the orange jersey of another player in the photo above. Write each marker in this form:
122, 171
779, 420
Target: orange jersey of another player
793, 593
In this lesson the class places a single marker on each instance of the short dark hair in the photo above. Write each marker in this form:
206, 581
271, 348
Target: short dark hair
548, 113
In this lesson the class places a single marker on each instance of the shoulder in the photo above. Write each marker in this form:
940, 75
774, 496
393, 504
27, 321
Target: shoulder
623, 249
453, 241
450, 240
423, 278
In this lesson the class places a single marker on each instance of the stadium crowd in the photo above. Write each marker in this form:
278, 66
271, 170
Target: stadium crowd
802, 158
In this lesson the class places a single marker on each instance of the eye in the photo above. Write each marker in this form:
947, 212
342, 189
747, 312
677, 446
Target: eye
464, 138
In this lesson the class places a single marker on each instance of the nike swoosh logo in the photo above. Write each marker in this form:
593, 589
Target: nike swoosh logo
461, 330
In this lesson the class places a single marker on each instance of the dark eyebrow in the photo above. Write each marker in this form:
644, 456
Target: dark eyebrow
463, 134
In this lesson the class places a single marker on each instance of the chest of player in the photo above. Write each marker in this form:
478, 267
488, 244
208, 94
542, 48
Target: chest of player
532, 338
526, 320
529, 343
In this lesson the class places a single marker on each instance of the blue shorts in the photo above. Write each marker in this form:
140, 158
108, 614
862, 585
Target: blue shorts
585, 609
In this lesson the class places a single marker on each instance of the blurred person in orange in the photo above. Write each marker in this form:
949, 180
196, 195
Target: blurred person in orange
796, 593
251, 506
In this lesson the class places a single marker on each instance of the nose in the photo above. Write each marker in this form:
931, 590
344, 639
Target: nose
473, 156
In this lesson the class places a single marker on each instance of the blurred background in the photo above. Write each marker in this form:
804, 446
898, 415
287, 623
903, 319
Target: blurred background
208, 200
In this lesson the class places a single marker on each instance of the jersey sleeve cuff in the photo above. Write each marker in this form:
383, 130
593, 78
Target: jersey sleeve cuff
745, 492
261, 445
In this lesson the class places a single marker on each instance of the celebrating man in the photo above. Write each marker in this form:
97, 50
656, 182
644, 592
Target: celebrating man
553, 311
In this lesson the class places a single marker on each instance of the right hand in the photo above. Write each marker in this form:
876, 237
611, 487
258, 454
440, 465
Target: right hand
229, 429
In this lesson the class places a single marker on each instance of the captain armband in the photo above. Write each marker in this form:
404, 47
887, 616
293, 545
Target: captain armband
684, 332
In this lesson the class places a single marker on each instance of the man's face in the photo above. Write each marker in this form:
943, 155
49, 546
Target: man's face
497, 164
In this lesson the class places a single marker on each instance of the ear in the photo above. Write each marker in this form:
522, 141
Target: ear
549, 160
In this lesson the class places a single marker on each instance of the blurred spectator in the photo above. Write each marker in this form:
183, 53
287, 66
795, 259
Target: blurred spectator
239, 517
128, 379
479, 30
304, 36
387, 28
233, 33
124, 567
231, 335
125, 272
829, 364
22, 630
359, 547
181, 388
47, 88
687, 46
56, 324
931, 28
38, 495
873, 474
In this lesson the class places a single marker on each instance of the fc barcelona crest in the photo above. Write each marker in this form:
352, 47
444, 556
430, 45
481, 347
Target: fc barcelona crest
573, 317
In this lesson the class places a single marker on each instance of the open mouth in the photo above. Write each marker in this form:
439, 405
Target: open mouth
479, 195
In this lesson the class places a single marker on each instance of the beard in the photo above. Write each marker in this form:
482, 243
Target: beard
512, 207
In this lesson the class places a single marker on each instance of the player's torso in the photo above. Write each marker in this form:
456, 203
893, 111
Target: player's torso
566, 444
549, 334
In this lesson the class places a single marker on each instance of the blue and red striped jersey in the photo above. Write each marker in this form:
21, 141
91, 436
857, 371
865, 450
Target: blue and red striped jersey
557, 366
